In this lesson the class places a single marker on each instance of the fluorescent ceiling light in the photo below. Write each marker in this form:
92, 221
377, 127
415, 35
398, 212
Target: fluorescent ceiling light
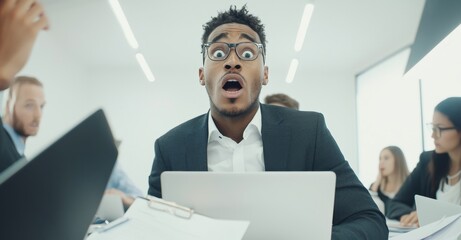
145, 68
118, 11
292, 70
308, 9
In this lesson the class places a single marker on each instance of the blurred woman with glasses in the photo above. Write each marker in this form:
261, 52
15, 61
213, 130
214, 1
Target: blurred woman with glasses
437, 174
393, 171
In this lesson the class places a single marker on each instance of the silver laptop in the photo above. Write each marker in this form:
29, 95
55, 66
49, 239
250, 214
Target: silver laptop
279, 205
430, 210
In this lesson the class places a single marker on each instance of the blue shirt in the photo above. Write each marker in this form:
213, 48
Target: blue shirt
17, 139
120, 181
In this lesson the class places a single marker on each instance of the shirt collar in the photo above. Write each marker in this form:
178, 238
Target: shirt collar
17, 139
213, 131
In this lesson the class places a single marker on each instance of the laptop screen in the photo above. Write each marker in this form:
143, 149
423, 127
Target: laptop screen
430, 210
279, 205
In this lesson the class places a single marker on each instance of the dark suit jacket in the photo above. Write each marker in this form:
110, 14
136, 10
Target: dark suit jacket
384, 198
419, 182
8, 152
292, 141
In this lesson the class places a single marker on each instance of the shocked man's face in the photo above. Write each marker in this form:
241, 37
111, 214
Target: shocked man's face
234, 84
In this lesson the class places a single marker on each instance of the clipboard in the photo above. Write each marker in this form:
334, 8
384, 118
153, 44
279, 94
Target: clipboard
155, 218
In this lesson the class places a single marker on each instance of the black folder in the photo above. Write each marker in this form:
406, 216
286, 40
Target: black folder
55, 195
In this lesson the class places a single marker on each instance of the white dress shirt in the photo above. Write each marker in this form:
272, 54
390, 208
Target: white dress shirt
225, 155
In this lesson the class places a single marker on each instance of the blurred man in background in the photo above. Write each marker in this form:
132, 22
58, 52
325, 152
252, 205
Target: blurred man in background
23, 110
282, 100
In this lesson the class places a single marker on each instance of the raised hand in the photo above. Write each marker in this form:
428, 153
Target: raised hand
20, 22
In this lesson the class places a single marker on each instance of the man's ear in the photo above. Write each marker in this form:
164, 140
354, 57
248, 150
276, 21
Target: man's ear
201, 76
266, 75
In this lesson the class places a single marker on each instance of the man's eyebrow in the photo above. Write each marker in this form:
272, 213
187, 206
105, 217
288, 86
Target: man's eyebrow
244, 35
217, 38
223, 35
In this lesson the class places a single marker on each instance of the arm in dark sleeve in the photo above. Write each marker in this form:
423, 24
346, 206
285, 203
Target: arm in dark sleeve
383, 197
404, 201
380, 194
8, 152
355, 214
158, 166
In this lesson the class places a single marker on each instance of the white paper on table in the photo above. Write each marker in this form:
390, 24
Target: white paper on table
145, 223
394, 226
446, 229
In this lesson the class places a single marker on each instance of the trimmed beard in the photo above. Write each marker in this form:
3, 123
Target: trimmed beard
236, 113
18, 126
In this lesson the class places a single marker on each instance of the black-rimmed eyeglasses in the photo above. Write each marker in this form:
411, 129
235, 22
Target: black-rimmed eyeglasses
438, 130
219, 51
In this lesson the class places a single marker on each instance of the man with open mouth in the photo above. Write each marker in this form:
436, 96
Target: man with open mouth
239, 134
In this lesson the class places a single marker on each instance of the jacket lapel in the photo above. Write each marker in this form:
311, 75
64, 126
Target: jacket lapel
276, 140
196, 149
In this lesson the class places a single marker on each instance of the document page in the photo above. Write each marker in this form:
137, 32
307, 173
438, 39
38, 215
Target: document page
445, 229
143, 222
394, 226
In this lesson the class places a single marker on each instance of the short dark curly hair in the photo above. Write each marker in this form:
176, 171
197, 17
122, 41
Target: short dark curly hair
234, 15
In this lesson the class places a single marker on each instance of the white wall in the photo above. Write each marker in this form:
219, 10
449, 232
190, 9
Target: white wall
388, 114
65, 88
140, 111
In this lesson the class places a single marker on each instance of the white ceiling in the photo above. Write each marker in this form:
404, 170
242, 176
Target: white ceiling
344, 36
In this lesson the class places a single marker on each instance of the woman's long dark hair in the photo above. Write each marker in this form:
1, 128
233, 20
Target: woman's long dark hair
440, 162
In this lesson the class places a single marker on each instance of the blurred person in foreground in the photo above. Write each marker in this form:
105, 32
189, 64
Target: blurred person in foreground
20, 23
